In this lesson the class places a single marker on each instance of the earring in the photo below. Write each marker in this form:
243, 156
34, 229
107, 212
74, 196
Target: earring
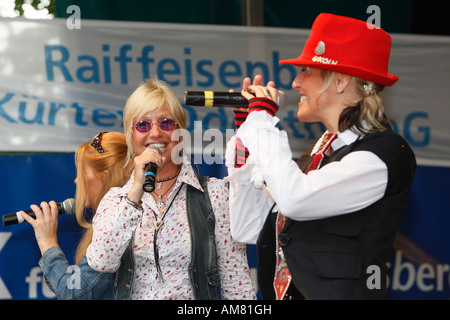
340, 91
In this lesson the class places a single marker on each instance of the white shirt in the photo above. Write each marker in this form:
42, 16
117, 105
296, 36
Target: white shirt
271, 176
116, 220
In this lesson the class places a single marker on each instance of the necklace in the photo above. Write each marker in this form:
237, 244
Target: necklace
161, 204
159, 182
158, 225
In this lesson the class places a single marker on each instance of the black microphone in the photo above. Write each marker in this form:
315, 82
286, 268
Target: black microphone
150, 174
224, 99
65, 207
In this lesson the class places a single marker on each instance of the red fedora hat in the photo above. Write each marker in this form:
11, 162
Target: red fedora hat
348, 46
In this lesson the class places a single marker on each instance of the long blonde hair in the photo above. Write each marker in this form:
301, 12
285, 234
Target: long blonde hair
110, 167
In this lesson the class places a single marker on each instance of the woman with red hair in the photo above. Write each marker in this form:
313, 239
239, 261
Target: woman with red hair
101, 164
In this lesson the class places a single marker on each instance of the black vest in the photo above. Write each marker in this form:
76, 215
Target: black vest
333, 258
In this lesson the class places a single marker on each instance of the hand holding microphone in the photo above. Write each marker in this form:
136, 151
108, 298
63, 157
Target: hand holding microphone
259, 100
44, 221
65, 207
145, 168
276, 98
150, 173
253, 97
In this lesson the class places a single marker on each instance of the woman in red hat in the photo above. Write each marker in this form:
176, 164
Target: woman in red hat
324, 226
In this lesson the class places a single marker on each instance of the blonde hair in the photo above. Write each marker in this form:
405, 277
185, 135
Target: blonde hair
149, 96
110, 167
365, 111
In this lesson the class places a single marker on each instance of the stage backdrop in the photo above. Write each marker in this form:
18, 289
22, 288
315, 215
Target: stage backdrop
61, 86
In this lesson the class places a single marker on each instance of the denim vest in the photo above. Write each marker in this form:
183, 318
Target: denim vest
92, 285
203, 271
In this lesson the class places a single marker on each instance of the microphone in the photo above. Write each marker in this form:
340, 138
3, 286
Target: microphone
150, 174
65, 207
224, 99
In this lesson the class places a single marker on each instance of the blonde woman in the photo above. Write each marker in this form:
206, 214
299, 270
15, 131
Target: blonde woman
324, 226
173, 242
101, 164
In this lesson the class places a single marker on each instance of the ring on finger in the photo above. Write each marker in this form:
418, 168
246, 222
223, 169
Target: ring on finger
266, 93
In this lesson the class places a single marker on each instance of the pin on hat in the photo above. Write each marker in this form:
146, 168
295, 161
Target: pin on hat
347, 46
320, 49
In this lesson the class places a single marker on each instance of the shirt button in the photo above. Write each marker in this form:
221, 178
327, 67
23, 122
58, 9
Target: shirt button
283, 239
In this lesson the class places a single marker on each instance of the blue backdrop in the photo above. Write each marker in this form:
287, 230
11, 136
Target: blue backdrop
419, 267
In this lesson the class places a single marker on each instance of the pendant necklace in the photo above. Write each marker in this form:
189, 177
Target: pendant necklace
161, 204
158, 225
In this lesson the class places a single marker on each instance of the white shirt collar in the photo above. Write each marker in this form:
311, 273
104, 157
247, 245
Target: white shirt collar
187, 175
344, 138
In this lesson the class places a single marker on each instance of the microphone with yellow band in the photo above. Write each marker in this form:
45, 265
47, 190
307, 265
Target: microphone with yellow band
223, 99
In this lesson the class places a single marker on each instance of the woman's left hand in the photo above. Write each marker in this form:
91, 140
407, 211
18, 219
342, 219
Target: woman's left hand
45, 225
256, 89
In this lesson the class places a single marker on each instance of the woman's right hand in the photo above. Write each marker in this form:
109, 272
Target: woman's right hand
45, 225
140, 163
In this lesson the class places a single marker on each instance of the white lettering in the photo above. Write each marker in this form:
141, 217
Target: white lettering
426, 276
374, 21
33, 279
74, 281
4, 292
74, 21
374, 281
194, 310
324, 60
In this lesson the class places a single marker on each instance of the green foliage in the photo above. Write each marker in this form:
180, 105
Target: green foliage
36, 4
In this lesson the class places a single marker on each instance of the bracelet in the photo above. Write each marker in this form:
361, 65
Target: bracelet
135, 205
